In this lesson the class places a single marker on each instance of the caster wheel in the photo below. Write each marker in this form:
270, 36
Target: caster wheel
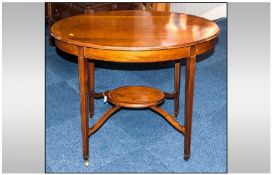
186, 157
86, 162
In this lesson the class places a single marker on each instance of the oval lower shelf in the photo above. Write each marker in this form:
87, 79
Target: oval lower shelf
135, 96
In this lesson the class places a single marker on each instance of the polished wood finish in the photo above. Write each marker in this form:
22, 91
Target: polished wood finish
189, 92
68, 48
135, 96
154, 6
169, 95
102, 120
204, 47
91, 89
176, 88
83, 90
144, 56
161, 7
169, 118
135, 37
134, 30
135, 56
101, 94
55, 11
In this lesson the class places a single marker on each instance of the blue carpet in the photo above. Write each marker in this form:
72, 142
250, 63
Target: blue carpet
137, 140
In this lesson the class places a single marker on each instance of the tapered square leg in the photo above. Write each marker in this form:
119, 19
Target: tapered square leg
91, 89
177, 88
189, 92
83, 74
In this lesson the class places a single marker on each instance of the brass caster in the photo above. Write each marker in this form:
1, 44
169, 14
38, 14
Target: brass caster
186, 157
86, 162
90, 115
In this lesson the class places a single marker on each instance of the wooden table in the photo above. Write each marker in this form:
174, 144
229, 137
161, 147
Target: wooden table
135, 37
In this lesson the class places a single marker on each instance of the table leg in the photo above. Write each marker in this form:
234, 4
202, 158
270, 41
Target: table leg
91, 84
177, 88
83, 87
190, 74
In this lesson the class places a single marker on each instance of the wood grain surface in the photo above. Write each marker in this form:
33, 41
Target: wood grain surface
135, 96
134, 30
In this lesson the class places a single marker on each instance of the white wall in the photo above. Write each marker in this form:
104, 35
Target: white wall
210, 11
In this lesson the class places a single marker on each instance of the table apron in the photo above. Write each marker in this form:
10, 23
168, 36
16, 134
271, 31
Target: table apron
143, 56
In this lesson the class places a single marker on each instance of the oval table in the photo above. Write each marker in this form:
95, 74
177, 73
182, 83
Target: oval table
135, 37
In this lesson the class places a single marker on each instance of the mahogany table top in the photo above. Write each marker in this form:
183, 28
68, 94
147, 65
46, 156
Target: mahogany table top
135, 30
